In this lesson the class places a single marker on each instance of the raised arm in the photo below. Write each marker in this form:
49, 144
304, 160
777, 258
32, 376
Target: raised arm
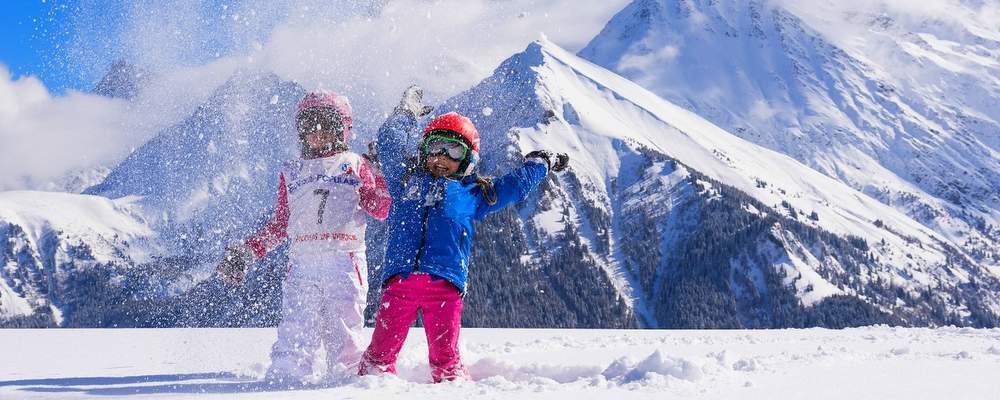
391, 147
391, 143
516, 185
513, 187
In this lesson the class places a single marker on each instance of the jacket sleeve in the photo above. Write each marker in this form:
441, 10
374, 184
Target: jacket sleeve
513, 187
375, 199
276, 230
391, 147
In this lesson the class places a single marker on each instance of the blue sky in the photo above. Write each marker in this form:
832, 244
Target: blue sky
35, 36
70, 44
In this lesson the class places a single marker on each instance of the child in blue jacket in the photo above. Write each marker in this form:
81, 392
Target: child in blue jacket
430, 230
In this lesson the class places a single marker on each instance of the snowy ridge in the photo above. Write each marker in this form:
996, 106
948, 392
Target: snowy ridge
560, 102
50, 235
899, 127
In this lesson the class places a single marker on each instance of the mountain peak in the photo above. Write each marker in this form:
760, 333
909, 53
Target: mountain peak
521, 63
123, 81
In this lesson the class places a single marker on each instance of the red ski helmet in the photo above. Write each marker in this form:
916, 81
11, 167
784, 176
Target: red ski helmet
331, 101
462, 127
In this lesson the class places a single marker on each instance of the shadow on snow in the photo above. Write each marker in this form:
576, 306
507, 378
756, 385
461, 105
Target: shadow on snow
122, 385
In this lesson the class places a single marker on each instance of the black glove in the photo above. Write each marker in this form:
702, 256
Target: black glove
413, 102
234, 265
556, 161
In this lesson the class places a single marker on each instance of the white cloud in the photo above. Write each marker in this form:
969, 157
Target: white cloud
43, 137
762, 111
638, 61
50, 142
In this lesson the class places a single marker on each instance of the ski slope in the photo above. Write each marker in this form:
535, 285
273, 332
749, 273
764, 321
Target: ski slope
862, 363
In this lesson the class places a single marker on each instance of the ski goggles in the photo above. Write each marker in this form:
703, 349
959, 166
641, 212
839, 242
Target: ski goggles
319, 120
453, 148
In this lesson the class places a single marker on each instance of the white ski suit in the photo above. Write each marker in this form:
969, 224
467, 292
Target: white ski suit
321, 208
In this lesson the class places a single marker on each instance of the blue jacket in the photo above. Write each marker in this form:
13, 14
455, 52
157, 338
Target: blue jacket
430, 222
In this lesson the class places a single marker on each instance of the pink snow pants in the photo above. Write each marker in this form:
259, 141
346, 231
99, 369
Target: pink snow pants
441, 304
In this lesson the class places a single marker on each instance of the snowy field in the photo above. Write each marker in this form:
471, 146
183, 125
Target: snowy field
864, 363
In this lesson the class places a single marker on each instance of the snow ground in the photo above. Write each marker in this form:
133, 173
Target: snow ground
863, 363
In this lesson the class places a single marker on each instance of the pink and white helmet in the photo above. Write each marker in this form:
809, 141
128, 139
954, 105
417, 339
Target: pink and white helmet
333, 101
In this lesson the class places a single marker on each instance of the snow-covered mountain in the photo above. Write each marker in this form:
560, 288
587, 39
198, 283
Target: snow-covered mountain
916, 127
50, 239
695, 226
664, 219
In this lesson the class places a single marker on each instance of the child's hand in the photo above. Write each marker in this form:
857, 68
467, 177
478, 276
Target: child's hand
413, 101
555, 161
372, 156
233, 267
